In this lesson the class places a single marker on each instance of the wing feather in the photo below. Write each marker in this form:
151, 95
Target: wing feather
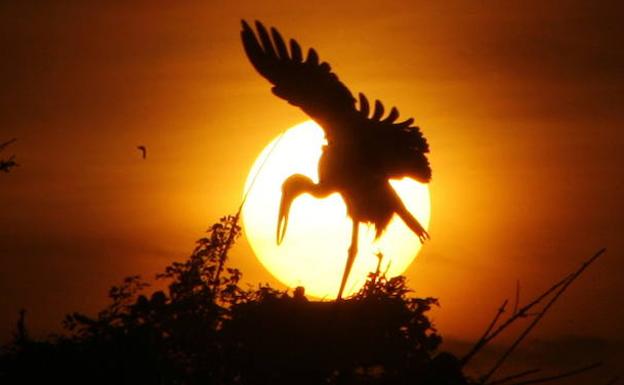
392, 116
399, 148
308, 84
364, 106
406, 123
295, 50
393, 149
265, 39
313, 58
282, 51
379, 110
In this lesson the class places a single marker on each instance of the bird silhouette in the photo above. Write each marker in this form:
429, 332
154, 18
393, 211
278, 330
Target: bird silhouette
364, 149
143, 150
7, 164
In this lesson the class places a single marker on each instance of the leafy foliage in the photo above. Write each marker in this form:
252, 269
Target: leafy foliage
206, 329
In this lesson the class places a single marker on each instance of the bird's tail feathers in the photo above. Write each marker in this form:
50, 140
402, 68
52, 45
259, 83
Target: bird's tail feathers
412, 222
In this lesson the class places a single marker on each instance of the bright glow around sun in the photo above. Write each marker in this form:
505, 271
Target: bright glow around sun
314, 251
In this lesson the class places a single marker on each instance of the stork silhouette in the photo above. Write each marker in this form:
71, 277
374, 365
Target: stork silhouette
363, 151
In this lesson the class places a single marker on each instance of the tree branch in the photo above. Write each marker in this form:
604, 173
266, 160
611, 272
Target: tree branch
517, 301
484, 339
560, 376
541, 314
514, 376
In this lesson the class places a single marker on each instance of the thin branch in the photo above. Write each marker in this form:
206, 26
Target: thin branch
5, 144
523, 312
253, 180
514, 376
560, 376
529, 328
226, 248
484, 339
377, 271
387, 268
517, 302
236, 218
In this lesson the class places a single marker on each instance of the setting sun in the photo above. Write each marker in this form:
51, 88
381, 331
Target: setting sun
314, 252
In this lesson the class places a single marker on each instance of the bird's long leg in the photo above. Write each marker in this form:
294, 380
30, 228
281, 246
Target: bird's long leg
353, 250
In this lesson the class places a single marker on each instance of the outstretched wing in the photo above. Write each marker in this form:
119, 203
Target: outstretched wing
306, 83
395, 150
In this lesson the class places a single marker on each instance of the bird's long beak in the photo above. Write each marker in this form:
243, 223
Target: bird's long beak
282, 220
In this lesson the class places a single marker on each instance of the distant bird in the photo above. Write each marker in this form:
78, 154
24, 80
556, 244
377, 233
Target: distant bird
143, 150
363, 151
7, 164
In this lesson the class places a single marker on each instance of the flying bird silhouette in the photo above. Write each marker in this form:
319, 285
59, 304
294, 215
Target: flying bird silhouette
143, 150
364, 149
7, 164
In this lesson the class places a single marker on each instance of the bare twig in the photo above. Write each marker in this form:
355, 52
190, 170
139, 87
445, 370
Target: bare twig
484, 339
387, 268
236, 218
5, 144
526, 332
226, 248
560, 376
514, 376
517, 302
253, 180
523, 312
520, 313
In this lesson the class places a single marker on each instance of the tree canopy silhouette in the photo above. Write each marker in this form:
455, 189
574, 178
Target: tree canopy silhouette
205, 328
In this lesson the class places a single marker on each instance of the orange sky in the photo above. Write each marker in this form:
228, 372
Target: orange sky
521, 103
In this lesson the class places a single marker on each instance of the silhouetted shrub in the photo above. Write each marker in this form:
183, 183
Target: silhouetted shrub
206, 329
